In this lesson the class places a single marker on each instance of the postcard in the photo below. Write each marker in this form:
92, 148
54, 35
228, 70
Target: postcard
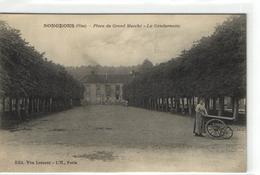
123, 92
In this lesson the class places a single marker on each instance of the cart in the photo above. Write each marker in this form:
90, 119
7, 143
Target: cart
216, 127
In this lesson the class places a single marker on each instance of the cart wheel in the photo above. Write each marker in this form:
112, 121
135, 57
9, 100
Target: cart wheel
228, 133
215, 128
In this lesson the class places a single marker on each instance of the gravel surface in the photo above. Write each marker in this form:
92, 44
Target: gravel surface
117, 138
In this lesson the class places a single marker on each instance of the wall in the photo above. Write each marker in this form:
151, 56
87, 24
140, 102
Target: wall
103, 93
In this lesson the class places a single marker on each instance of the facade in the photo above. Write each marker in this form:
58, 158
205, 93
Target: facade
104, 89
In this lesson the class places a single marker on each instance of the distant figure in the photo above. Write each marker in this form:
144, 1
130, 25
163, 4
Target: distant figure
126, 103
199, 119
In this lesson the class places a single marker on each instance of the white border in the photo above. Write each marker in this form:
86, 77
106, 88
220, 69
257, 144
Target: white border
173, 6
126, 6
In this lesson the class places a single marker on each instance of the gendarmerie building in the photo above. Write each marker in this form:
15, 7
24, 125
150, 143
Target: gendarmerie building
104, 88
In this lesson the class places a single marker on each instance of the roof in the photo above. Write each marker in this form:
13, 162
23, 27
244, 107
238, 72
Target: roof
103, 78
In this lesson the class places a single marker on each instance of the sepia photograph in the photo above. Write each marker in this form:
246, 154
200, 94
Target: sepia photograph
123, 92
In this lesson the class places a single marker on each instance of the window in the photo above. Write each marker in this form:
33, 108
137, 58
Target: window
117, 91
108, 90
87, 92
98, 90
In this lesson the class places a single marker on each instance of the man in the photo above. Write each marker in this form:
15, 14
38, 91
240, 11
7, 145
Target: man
199, 119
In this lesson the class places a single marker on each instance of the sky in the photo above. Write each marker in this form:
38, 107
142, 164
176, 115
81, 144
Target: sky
114, 46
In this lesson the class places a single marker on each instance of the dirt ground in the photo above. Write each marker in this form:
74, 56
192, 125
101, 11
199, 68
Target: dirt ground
107, 138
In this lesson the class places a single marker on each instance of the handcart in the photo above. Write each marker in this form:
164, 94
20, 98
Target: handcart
217, 128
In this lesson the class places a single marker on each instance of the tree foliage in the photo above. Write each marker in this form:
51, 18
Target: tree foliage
215, 66
26, 73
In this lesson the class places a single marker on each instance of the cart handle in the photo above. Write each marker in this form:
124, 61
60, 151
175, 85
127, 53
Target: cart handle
219, 117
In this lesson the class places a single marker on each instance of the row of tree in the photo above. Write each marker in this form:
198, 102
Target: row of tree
214, 68
29, 82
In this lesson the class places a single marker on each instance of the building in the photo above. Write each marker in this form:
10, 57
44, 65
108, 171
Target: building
104, 89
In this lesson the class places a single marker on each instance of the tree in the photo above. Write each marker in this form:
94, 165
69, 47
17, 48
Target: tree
146, 65
27, 75
214, 67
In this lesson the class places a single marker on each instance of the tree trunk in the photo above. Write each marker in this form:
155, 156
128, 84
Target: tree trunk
50, 104
38, 105
221, 106
10, 104
29, 105
171, 99
235, 107
32, 105
154, 103
207, 104
46, 105
157, 106
163, 104
17, 107
3, 104
35, 105
43, 105
167, 104
53, 105
183, 107
189, 106
177, 104
26, 107
193, 102
23, 108
214, 105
